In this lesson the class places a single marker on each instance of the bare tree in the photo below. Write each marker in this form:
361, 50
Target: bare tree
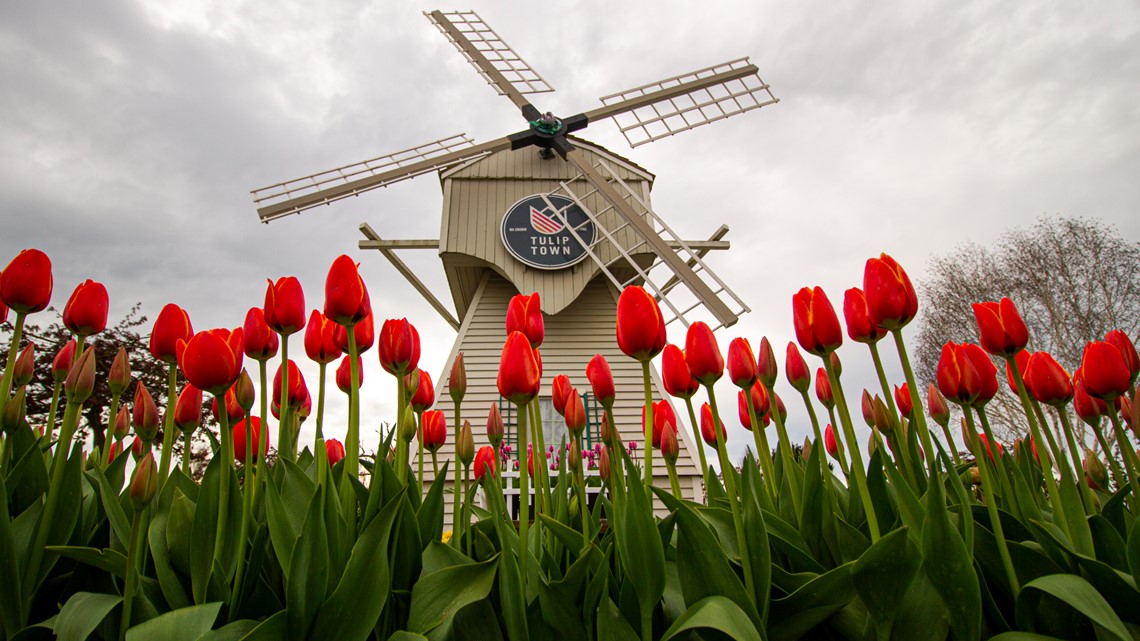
1073, 280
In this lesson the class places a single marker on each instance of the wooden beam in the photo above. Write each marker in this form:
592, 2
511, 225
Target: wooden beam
500, 81
700, 246
700, 251
407, 273
608, 111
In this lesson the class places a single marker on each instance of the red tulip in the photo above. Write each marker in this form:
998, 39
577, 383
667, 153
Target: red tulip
1106, 374
902, 399
817, 326
285, 305
519, 376
766, 369
524, 314
423, 396
859, 325
966, 375
334, 450
662, 414
344, 374
364, 331
1047, 381
708, 432
741, 363
171, 326
3, 312
25, 365
991, 449
829, 442
1095, 472
601, 380
260, 441
796, 369
85, 313
212, 360
575, 413
675, 374
867, 406
640, 326
346, 297
1022, 360
703, 355
1002, 331
399, 347
484, 462
116, 449
234, 411
258, 341
1120, 340
144, 415
433, 430
823, 389
138, 448
319, 344
495, 425
188, 409
936, 406
297, 388
122, 426
1089, 409
26, 283
891, 300
560, 391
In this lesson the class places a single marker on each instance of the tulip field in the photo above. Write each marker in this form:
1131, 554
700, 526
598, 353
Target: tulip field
897, 519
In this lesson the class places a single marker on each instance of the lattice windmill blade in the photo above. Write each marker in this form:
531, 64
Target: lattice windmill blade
295, 196
500, 66
654, 111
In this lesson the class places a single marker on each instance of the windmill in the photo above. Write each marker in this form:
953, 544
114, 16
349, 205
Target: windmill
542, 210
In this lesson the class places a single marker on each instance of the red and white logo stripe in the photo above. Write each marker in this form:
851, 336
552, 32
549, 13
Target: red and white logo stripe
542, 223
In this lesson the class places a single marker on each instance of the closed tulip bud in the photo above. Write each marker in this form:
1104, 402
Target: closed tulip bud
1095, 472
836, 364
890, 296
344, 374
171, 326
874, 442
708, 432
334, 450
80, 383
259, 439
139, 447
741, 363
407, 425
742, 410
902, 399
975, 475
519, 374
285, 305
560, 391
524, 314
297, 390
823, 389
364, 333
574, 457
859, 325
867, 404
936, 406
1000, 327
457, 379
601, 380
1106, 374
796, 369
575, 414
25, 366
778, 403
1120, 340
609, 432
805, 450
145, 414
120, 375
465, 448
122, 423
484, 463
423, 396
64, 358
1022, 360
144, 483
675, 373
116, 449
766, 369
829, 442
433, 433
212, 360
188, 410
640, 326
399, 347
817, 326
670, 448
243, 391
85, 313
346, 297
14, 411
881, 416
494, 425
259, 342
604, 465
703, 355
26, 283
320, 345
761, 404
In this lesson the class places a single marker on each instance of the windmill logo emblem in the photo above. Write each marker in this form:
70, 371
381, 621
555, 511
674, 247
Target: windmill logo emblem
547, 232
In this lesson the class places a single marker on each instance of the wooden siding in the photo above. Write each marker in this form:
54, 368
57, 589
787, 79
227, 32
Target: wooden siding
573, 336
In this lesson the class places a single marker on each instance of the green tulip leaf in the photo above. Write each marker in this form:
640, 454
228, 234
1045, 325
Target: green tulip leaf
404, 635
1133, 553
1109, 546
116, 516
205, 530
1023, 636
232, 632
1075, 592
949, 567
82, 613
716, 613
612, 626
307, 581
183, 624
796, 614
168, 579
642, 554
704, 569
883, 575
107, 560
10, 602
274, 628
430, 514
910, 508
438, 596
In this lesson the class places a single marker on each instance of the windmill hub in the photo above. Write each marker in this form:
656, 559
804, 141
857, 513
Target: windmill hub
548, 132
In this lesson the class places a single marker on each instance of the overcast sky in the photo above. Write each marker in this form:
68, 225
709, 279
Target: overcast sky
132, 132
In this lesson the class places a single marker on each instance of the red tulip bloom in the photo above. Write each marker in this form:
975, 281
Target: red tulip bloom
26, 283
902, 399
188, 409
423, 396
662, 414
936, 406
319, 344
85, 313
708, 432
703, 355
285, 305
364, 331
344, 374
1022, 360
766, 369
675, 374
524, 314
829, 442
297, 388
601, 380
171, 326
1106, 374
1089, 409
796, 369
742, 363
234, 411
560, 391
1002, 331
334, 450
859, 325
260, 440
891, 300
212, 360
640, 326
817, 326
1120, 340
61, 364
519, 376
987, 372
484, 462
138, 448
259, 342
399, 346
575, 413
1047, 381
346, 297
433, 430
996, 448
823, 389
3, 312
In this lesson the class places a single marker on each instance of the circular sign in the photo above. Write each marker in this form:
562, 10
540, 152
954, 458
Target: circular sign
541, 237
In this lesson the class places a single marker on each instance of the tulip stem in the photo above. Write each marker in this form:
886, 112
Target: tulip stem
352, 438
132, 579
950, 443
647, 428
990, 496
580, 477
227, 453
464, 520
320, 407
524, 495
729, 474
1117, 473
674, 482
109, 432
401, 444
168, 424
541, 477
1128, 454
49, 429
285, 447
784, 444
9, 365
857, 469
915, 401
248, 487
456, 489
764, 452
420, 450
814, 419
697, 439
1082, 479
